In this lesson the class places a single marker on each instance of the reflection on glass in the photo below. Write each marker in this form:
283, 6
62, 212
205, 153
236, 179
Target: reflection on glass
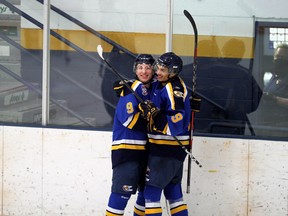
19, 102
228, 90
275, 97
270, 65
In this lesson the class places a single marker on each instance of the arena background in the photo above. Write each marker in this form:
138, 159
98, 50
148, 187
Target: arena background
64, 168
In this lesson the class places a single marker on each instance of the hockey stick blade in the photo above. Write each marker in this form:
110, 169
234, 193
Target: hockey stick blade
191, 20
100, 51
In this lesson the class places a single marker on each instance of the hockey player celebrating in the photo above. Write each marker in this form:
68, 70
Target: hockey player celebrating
168, 116
129, 155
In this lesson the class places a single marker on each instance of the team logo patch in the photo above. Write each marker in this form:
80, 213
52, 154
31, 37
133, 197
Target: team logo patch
178, 94
144, 90
127, 188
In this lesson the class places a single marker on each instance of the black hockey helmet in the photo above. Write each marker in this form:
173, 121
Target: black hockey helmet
143, 58
173, 62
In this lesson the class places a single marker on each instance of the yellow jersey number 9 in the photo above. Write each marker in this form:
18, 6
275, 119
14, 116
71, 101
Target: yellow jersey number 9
129, 108
177, 117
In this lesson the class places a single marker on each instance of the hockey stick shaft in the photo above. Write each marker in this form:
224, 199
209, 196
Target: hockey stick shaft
191, 20
100, 53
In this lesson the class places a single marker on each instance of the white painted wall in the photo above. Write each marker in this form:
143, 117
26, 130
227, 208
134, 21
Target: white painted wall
51, 172
213, 17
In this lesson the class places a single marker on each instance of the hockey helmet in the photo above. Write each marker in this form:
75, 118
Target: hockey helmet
173, 62
143, 58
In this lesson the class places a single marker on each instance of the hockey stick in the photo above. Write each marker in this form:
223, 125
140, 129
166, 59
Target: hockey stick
191, 20
100, 53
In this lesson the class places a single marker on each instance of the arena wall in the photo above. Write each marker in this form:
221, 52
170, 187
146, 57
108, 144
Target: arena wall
51, 172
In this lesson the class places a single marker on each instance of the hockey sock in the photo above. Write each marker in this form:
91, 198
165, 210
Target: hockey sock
139, 208
174, 195
152, 201
117, 203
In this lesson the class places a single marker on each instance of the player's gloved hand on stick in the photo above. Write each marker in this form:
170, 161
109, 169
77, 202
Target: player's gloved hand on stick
195, 102
119, 85
148, 111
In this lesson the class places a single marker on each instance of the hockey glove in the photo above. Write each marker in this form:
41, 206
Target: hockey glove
149, 111
195, 102
118, 86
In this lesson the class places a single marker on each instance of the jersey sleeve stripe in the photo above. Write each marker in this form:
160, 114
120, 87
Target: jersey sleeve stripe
169, 90
133, 121
126, 123
185, 88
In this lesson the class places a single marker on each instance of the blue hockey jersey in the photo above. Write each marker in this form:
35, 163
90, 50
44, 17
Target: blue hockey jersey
174, 119
129, 128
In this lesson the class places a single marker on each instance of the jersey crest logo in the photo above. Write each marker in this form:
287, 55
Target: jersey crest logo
144, 90
127, 188
178, 94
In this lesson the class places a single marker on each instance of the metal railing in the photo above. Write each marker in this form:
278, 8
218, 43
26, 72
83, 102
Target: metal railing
68, 43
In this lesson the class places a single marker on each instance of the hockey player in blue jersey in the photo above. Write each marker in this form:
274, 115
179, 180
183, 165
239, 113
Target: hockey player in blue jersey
168, 114
129, 154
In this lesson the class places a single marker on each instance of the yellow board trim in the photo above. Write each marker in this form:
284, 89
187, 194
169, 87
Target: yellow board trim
208, 46
214, 46
134, 42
